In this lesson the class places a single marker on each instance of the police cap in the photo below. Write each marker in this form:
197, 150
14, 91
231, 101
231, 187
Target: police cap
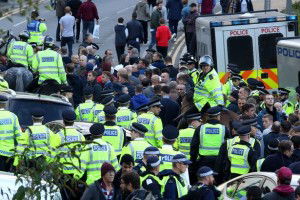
143, 107
140, 128
123, 99
283, 91
107, 100
106, 93
273, 145
97, 129
153, 161
191, 60
236, 77
110, 110
150, 50
206, 60
66, 88
205, 171
3, 99
252, 82
213, 111
170, 132
260, 85
88, 91
236, 124
181, 158
244, 130
235, 94
250, 122
38, 113
154, 102
151, 151
95, 46
193, 116
69, 115
233, 68
263, 91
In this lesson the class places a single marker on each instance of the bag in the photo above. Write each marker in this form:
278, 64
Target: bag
143, 195
96, 32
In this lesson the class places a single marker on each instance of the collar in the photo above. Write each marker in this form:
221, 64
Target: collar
68, 14
167, 146
213, 121
190, 126
123, 108
166, 96
37, 124
2, 109
69, 127
120, 24
88, 101
138, 139
110, 123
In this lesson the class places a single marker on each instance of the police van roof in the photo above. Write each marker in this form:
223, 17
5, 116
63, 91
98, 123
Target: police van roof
290, 42
244, 19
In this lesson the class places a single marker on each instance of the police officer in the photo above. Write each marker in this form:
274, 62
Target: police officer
153, 123
149, 179
48, 64
107, 101
138, 144
184, 139
85, 111
9, 135
170, 134
204, 189
234, 79
252, 83
193, 72
100, 152
174, 186
3, 83
141, 163
208, 139
287, 106
208, 90
69, 140
113, 134
125, 116
142, 109
36, 28
240, 156
19, 52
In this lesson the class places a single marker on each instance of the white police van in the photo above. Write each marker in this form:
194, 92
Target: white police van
247, 40
288, 61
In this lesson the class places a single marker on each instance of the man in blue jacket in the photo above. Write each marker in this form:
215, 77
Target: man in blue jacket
174, 8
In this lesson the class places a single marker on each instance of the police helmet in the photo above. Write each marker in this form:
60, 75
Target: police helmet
206, 60
49, 41
24, 35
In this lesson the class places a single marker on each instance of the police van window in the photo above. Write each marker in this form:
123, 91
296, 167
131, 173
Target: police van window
240, 51
267, 50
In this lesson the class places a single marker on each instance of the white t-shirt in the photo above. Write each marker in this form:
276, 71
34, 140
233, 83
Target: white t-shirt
68, 22
244, 7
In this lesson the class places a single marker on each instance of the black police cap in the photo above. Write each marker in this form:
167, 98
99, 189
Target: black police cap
244, 130
106, 93
110, 110
69, 115
3, 99
107, 100
236, 124
124, 98
143, 107
252, 82
139, 128
154, 102
193, 116
263, 91
170, 132
216, 110
260, 85
250, 122
283, 91
38, 113
66, 88
88, 91
97, 129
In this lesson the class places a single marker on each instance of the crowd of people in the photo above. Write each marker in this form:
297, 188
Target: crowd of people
159, 130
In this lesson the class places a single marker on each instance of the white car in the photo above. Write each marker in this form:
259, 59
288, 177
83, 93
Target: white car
236, 188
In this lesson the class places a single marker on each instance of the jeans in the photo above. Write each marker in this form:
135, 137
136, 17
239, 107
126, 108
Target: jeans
120, 51
87, 26
58, 29
69, 42
173, 24
153, 39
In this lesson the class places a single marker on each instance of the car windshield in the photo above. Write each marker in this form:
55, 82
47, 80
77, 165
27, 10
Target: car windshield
23, 107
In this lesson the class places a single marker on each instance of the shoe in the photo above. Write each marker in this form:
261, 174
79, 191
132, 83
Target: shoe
58, 40
76, 41
173, 36
175, 39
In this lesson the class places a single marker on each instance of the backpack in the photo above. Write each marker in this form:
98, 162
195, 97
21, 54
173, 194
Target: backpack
143, 195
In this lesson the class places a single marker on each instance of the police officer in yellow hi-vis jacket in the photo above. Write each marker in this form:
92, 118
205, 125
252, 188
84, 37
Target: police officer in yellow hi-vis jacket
153, 123
20, 52
125, 116
99, 152
9, 135
287, 106
208, 90
48, 64
36, 28
138, 144
141, 163
85, 111
107, 101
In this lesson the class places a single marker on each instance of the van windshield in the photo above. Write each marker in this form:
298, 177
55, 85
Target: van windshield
240, 52
267, 50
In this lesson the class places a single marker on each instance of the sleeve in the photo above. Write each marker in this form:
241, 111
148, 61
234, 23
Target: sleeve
88, 193
126, 150
113, 159
252, 159
222, 160
35, 63
150, 185
176, 144
157, 34
17, 128
158, 127
194, 150
227, 133
9, 51
170, 190
43, 27
213, 86
257, 149
61, 70
29, 54
79, 12
96, 12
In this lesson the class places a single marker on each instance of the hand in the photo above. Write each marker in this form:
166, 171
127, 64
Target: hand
97, 21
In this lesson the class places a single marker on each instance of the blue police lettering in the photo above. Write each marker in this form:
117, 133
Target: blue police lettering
110, 132
166, 158
96, 112
101, 118
237, 151
100, 148
48, 59
143, 120
212, 131
85, 111
288, 52
123, 118
5, 121
72, 138
18, 47
185, 140
139, 154
41, 136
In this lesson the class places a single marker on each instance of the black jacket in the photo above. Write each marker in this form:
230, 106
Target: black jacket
274, 162
296, 155
170, 191
94, 192
166, 116
135, 30
233, 106
249, 6
267, 139
150, 184
205, 192
120, 37
74, 5
77, 85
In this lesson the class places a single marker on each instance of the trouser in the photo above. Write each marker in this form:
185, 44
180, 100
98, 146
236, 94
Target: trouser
120, 51
162, 50
188, 38
87, 26
145, 29
135, 44
78, 21
69, 42
173, 24
58, 30
6, 164
153, 38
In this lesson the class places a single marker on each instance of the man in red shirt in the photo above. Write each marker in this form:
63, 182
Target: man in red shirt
88, 13
163, 35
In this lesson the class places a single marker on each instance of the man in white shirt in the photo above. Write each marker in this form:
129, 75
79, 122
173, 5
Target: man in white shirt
67, 23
